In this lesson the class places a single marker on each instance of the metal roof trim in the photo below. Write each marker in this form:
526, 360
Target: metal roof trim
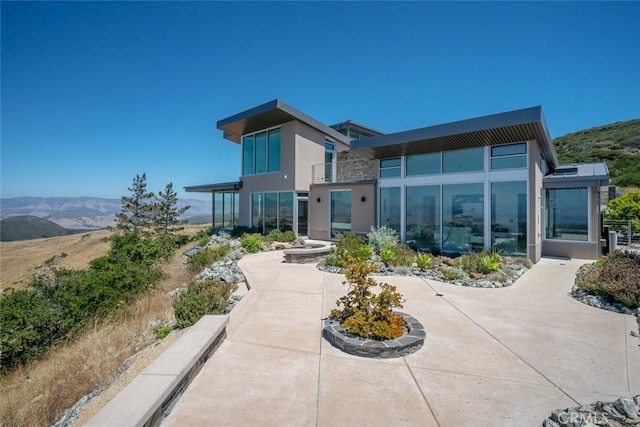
275, 105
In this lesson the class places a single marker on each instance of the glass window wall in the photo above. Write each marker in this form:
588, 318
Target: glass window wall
424, 164
340, 213
512, 156
247, 155
225, 209
463, 217
274, 150
390, 168
568, 214
423, 217
390, 207
463, 160
285, 211
509, 217
261, 152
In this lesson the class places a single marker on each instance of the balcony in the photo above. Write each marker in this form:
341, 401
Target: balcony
343, 171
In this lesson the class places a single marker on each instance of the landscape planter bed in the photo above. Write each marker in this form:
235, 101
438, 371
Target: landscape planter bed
407, 344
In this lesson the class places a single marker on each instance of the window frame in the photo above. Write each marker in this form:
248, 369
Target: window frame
267, 132
390, 168
524, 155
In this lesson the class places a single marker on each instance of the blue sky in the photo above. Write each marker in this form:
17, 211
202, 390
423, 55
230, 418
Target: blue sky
94, 93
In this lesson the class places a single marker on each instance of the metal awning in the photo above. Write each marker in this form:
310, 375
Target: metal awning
512, 126
215, 188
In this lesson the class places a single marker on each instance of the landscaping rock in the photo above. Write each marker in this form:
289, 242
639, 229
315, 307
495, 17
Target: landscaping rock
599, 301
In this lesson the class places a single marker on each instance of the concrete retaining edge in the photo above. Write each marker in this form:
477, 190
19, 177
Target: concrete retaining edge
147, 399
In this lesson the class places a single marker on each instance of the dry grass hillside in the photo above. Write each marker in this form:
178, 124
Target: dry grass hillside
20, 260
39, 392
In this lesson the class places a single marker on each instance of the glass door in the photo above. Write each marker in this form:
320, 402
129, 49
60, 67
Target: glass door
303, 215
340, 213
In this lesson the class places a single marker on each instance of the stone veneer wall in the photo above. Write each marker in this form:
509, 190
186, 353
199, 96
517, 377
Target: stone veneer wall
352, 167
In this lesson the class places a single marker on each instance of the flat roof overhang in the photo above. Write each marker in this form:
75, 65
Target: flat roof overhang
509, 127
578, 175
215, 188
270, 114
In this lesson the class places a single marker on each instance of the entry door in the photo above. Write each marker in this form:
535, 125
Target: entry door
303, 217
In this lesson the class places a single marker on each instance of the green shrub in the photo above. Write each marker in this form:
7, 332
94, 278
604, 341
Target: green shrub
388, 256
489, 264
616, 277
240, 230
54, 307
424, 261
201, 298
206, 257
382, 238
450, 273
280, 236
480, 262
365, 313
350, 246
252, 242
404, 256
160, 332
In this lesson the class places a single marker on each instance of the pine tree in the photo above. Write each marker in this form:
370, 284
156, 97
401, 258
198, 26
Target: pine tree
166, 210
138, 209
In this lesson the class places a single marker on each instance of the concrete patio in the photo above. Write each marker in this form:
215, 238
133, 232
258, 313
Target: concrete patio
499, 357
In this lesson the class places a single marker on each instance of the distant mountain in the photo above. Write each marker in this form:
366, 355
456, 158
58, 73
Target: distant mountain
618, 144
81, 213
26, 227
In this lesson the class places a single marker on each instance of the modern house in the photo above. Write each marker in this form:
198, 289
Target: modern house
490, 182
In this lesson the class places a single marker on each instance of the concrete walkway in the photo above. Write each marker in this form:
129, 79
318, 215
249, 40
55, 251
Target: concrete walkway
499, 357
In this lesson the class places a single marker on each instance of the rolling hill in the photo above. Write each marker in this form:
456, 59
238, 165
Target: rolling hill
618, 144
26, 227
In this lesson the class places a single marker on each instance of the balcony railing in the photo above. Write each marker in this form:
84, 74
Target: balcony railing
343, 171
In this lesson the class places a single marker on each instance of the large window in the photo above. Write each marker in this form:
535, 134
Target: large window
509, 217
390, 207
340, 213
423, 164
463, 160
510, 156
423, 217
463, 217
261, 152
225, 209
272, 210
390, 168
568, 214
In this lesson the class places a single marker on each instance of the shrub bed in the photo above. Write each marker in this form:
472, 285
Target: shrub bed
201, 298
615, 277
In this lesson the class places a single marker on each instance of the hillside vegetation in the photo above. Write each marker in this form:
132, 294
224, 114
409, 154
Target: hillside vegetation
27, 227
19, 260
618, 144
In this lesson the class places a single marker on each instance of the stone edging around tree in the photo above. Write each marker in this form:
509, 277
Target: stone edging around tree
409, 343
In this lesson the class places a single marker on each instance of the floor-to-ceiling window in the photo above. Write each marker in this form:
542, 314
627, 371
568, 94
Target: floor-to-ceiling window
340, 213
285, 211
225, 209
509, 217
272, 210
261, 152
463, 217
390, 207
423, 217
567, 214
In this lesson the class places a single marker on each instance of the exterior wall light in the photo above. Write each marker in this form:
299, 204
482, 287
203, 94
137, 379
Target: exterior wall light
363, 199
318, 200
